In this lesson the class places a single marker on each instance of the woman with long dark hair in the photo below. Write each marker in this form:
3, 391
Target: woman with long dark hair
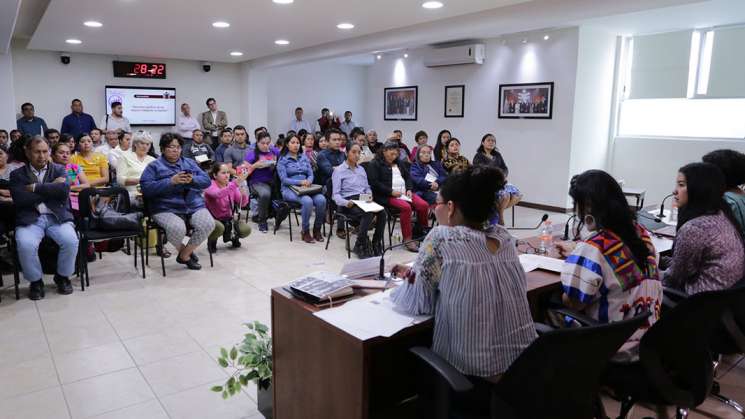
441, 146
611, 275
709, 253
454, 162
488, 155
262, 161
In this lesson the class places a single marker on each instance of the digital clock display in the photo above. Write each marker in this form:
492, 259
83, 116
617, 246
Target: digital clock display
139, 70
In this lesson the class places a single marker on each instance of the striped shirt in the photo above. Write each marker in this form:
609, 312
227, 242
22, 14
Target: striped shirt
482, 319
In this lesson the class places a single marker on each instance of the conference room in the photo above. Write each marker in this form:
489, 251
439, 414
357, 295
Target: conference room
391, 209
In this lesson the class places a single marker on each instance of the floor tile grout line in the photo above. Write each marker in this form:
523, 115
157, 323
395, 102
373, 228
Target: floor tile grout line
54, 362
162, 406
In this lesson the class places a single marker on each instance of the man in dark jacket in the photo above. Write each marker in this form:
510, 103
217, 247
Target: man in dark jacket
42, 200
329, 158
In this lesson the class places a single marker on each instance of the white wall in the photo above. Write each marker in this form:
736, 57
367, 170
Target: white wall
652, 163
7, 99
41, 79
313, 86
537, 151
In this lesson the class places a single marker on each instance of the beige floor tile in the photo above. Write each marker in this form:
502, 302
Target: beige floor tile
26, 377
44, 404
147, 410
163, 345
90, 362
22, 348
200, 403
182, 372
107, 393
75, 337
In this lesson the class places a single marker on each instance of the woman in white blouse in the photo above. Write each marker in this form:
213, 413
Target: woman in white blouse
469, 276
131, 165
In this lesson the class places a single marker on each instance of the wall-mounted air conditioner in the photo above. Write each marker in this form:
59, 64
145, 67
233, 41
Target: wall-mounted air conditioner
464, 54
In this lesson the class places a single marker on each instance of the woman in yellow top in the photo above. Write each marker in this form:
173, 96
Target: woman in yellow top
94, 165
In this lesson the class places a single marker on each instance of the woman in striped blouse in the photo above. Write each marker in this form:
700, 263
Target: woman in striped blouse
470, 278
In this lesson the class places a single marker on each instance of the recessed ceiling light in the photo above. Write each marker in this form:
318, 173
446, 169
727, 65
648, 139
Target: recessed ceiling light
92, 24
345, 26
546, 37
406, 55
221, 24
432, 4
282, 42
378, 56
236, 53
525, 40
283, 1
73, 41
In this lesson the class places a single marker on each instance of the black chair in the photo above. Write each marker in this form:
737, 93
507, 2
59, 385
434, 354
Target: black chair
728, 339
9, 238
557, 376
119, 200
162, 239
676, 365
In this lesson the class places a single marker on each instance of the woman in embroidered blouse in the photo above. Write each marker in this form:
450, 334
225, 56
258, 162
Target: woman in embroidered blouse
95, 165
219, 198
732, 165
611, 275
488, 155
454, 162
708, 254
471, 279
294, 169
75, 175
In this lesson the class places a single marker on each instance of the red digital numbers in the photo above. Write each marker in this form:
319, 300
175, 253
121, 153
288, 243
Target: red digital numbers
161, 69
149, 69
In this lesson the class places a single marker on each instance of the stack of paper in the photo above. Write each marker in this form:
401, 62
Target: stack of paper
368, 206
369, 317
533, 262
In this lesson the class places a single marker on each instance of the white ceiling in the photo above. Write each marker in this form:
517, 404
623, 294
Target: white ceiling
8, 13
182, 29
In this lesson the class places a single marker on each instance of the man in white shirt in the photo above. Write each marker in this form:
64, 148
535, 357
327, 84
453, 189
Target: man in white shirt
115, 120
298, 123
185, 123
348, 125
112, 140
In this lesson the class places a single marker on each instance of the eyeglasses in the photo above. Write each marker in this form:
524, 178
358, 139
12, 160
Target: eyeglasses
174, 146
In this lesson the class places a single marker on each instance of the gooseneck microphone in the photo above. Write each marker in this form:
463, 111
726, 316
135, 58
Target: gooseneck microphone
381, 273
566, 226
662, 206
543, 219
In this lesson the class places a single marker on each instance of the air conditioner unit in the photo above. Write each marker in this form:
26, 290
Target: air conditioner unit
464, 54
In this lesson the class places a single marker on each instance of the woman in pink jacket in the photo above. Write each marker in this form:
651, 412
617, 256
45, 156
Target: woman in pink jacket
220, 198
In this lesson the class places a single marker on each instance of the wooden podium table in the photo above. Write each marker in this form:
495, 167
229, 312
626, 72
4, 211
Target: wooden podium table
321, 372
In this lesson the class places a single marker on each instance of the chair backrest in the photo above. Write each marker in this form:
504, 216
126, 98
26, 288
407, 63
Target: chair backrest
675, 351
117, 193
558, 375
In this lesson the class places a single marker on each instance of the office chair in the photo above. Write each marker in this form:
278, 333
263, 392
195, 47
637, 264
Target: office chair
557, 376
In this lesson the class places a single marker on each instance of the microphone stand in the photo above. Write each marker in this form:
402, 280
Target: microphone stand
662, 206
544, 218
381, 272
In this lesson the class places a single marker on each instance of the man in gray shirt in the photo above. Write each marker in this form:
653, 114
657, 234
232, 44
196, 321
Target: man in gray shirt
236, 153
196, 149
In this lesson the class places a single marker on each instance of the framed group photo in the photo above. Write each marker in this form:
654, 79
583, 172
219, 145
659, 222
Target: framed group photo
526, 100
454, 100
400, 103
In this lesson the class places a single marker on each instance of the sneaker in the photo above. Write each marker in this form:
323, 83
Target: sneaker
264, 227
64, 286
191, 263
36, 290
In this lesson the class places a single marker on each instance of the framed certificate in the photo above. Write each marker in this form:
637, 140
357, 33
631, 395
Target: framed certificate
454, 100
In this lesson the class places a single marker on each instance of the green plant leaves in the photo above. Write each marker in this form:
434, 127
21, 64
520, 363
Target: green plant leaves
233, 353
252, 360
216, 389
223, 363
223, 352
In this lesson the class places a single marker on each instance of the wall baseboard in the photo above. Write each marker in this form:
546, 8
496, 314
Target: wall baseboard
545, 207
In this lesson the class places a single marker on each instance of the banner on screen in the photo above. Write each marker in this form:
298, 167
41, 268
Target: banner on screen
144, 105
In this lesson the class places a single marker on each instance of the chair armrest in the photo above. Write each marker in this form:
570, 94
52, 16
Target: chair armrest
734, 330
543, 328
457, 381
582, 319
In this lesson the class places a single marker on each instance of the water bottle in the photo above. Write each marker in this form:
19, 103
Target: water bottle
674, 213
547, 238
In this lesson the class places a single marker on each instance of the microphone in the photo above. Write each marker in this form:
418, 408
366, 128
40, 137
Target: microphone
566, 227
662, 206
381, 273
544, 218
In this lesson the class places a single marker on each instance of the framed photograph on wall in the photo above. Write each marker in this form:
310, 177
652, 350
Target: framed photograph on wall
526, 100
454, 100
400, 103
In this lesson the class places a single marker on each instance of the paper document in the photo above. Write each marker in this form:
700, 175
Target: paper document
201, 158
405, 198
361, 268
369, 317
533, 262
661, 244
368, 206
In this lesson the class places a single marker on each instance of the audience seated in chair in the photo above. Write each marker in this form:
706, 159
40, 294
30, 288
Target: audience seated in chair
173, 188
366, 154
427, 176
732, 165
197, 150
41, 196
294, 170
75, 176
330, 157
94, 164
261, 163
488, 155
132, 164
349, 182
222, 198
441, 146
420, 138
454, 162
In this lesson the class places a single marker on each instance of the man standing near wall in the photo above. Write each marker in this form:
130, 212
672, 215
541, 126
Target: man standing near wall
213, 120
77, 122
29, 124
348, 125
298, 123
116, 120
185, 123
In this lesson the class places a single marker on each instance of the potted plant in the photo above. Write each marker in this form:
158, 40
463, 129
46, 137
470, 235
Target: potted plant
250, 360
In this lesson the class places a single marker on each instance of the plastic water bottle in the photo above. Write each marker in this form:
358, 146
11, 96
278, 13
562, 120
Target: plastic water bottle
547, 237
674, 213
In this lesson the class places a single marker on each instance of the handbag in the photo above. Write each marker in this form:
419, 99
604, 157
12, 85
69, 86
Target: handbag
104, 216
306, 190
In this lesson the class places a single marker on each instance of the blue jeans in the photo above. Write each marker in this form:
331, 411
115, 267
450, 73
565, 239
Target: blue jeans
307, 203
428, 196
28, 239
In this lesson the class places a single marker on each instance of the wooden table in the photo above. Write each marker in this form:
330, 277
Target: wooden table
321, 372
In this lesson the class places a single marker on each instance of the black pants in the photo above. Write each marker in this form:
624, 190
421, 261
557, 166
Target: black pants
365, 219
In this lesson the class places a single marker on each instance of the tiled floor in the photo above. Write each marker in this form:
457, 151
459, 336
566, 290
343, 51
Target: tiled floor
134, 348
